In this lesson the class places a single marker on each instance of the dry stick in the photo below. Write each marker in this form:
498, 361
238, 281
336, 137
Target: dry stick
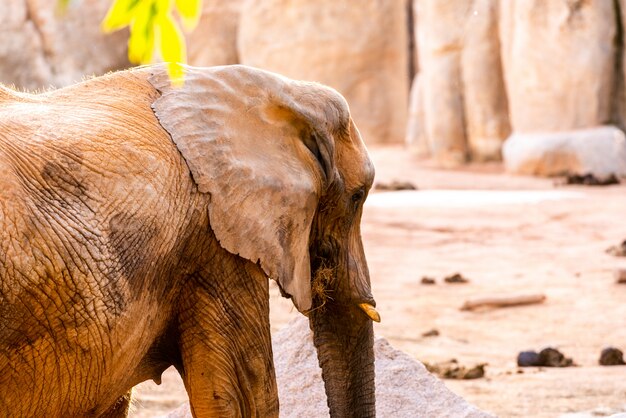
502, 301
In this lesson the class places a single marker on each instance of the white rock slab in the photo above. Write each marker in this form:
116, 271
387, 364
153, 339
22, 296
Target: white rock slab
600, 151
404, 388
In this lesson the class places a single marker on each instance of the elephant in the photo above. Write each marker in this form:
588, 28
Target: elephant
141, 219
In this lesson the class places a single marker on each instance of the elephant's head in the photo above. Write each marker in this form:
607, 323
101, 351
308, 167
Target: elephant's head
287, 173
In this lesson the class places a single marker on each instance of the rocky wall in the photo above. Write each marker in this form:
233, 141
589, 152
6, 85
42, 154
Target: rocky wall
41, 46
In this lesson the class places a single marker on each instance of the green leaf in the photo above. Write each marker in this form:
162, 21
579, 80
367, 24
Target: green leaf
172, 48
189, 11
172, 43
162, 7
63, 4
121, 14
151, 23
142, 34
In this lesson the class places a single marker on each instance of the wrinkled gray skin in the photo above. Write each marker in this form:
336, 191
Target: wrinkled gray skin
140, 224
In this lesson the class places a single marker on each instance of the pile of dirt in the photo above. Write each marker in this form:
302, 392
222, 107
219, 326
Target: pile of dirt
611, 356
395, 185
404, 388
456, 278
590, 179
451, 369
617, 250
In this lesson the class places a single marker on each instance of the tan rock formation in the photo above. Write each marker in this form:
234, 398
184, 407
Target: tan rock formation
214, 40
484, 96
41, 46
619, 84
440, 34
465, 111
558, 61
416, 138
599, 151
560, 68
359, 48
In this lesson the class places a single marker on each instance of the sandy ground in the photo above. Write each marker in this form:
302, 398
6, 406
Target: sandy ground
508, 235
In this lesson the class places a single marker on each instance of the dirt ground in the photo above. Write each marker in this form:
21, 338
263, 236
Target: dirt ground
507, 235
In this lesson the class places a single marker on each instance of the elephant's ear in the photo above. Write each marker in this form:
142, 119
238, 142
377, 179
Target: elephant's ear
262, 146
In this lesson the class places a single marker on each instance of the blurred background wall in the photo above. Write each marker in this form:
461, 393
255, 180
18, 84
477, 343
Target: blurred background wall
538, 81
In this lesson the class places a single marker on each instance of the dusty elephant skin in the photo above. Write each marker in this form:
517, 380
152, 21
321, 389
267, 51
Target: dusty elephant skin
141, 222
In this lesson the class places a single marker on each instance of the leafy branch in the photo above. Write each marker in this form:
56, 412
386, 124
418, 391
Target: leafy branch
153, 27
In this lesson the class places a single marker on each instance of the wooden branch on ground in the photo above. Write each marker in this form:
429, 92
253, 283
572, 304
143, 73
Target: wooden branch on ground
502, 301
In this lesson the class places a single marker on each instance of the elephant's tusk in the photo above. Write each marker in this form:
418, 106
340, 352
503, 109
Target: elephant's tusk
370, 311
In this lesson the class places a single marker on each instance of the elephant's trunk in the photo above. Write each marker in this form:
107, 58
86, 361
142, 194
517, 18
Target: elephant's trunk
344, 339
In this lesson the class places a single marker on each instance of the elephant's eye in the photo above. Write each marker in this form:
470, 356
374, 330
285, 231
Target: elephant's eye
358, 196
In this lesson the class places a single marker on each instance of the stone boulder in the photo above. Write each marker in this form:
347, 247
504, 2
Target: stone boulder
416, 138
619, 91
484, 96
404, 388
42, 47
559, 60
600, 151
359, 48
464, 101
214, 40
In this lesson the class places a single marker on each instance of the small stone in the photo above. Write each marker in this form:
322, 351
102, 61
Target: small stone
428, 280
395, 185
451, 369
589, 179
600, 152
551, 357
611, 356
620, 275
456, 278
528, 359
432, 333
617, 250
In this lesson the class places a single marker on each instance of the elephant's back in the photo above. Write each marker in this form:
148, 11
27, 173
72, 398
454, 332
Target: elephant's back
92, 195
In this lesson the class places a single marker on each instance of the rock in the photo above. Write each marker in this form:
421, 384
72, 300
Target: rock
456, 278
440, 34
360, 49
453, 370
620, 275
404, 388
548, 357
551, 357
591, 180
396, 185
47, 47
617, 250
464, 101
415, 132
428, 280
214, 40
599, 151
528, 359
558, 59
432, 333
611, 356
484, 95
619, 90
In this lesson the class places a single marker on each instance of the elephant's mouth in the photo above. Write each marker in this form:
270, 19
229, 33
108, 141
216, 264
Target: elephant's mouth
323, 289
322, 282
